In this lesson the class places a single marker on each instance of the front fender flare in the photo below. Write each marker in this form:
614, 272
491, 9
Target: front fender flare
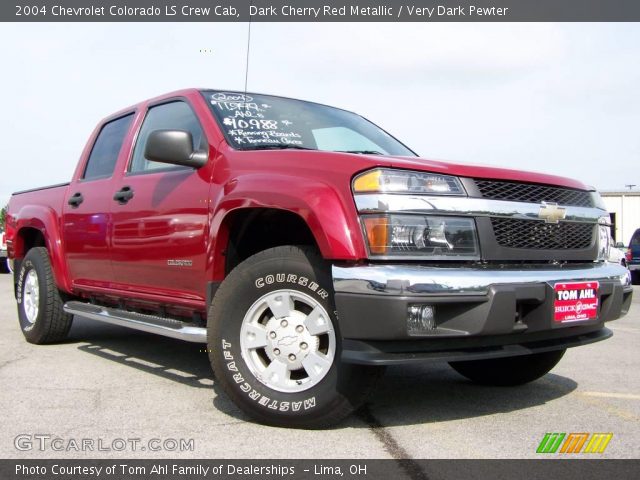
332, 219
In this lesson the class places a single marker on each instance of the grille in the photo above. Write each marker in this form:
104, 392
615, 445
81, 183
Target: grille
534, 234
531, 192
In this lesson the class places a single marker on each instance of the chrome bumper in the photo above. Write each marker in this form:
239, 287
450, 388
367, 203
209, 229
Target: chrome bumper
480, 312
410, 279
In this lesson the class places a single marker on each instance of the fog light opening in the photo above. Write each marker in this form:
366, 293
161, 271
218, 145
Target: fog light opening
421, 319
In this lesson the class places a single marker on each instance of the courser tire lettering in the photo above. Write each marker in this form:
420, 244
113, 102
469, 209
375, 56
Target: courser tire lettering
283, 295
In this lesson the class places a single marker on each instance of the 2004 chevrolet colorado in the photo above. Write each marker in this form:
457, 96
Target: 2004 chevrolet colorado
309, 248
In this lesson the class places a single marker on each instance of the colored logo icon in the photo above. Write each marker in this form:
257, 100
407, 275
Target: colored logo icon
574, 442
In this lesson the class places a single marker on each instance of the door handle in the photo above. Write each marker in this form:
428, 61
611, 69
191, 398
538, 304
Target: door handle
123, 195
75, 200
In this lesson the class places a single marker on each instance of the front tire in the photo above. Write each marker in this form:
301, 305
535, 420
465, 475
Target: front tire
509, 371
42, 318
274, 342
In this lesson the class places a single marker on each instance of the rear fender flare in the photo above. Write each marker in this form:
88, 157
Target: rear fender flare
44, 220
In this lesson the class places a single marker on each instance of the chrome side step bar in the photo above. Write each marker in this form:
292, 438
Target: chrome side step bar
147, 323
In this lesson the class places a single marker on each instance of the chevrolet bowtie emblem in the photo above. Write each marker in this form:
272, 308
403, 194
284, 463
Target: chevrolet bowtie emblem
550, 212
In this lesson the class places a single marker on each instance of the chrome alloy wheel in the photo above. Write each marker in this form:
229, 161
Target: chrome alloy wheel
31, 297
287, 340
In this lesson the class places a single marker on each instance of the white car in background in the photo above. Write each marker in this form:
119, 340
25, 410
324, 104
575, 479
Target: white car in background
618, 254
5, 264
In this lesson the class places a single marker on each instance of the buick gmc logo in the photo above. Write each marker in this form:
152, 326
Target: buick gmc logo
550, 212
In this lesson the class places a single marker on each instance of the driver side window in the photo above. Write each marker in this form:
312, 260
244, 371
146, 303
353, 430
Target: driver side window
168, 116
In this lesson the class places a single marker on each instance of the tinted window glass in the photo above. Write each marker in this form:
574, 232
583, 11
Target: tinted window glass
635, 240
255, 121
341, 138
104, 155
169, 116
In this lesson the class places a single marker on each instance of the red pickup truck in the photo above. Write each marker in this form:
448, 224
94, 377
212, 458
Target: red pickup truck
308, 248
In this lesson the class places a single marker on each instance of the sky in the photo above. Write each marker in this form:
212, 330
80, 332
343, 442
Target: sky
556, 98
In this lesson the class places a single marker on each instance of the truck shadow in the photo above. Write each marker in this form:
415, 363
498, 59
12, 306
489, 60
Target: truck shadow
182, 362
434, 393
405, 395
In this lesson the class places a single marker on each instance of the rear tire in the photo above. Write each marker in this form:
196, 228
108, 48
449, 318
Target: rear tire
635, 277
42, 318
275, 345
509, 371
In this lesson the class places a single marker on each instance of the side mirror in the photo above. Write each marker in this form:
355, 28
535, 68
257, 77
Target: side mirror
174, 147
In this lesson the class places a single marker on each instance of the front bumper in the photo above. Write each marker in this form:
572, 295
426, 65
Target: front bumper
480, 312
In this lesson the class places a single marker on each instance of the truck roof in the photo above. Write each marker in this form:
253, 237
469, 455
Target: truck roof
191, 91
418, 162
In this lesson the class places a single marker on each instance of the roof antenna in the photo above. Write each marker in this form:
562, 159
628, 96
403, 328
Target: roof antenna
246, 68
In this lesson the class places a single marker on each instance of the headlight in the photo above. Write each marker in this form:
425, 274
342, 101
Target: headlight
405, 181
597, 201
604, 242
426, 237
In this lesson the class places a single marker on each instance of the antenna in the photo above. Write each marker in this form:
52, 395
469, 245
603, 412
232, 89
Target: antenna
630, 186
246, 68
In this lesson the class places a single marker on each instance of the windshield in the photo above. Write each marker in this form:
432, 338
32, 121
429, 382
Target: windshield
255, 122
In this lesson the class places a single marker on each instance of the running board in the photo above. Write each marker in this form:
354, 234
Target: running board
166, 327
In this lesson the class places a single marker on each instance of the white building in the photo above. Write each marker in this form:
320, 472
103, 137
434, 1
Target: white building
624, 207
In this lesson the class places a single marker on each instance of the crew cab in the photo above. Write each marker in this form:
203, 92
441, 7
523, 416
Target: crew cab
308, 248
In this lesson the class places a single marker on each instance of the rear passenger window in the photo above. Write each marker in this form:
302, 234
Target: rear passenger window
105, 151
635, 240
168, 116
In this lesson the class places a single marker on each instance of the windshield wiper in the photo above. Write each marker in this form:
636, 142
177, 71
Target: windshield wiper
363, 152
284, 146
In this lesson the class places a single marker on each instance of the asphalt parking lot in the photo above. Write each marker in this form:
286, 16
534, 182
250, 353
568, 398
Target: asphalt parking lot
113, 383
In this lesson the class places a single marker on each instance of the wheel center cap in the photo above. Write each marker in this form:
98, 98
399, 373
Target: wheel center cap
289, 341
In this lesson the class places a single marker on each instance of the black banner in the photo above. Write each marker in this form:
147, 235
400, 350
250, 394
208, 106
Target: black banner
320, 11
123, 469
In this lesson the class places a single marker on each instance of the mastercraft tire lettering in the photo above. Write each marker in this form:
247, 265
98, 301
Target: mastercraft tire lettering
274, 342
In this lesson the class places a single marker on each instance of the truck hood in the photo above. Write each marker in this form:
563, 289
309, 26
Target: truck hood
474, 171
329, 164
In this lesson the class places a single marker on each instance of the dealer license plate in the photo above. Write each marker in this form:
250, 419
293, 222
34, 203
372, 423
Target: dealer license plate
575, 302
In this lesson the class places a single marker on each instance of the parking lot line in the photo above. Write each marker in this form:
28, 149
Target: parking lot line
626, 396
597, 400
603, 405
625, 329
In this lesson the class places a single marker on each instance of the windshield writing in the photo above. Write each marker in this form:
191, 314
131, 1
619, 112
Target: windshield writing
254, 121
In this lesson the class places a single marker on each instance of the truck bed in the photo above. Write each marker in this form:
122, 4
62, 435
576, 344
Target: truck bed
50, 198
48, 187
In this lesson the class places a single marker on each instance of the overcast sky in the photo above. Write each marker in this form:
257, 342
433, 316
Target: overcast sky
557, 98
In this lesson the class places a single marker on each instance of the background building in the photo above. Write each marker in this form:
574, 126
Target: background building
624, 207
